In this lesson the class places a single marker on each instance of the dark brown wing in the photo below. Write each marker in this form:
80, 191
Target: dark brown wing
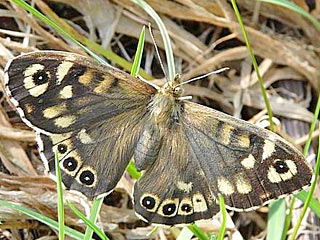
208, 153
91, 114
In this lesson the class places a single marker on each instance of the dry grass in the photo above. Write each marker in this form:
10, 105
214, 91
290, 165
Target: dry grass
205, 36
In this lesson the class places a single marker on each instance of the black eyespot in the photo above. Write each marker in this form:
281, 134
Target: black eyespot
169, 209
87, 177
62, 148
40, 77
198, 200
70, 164
281, 166
186, 208
148, 202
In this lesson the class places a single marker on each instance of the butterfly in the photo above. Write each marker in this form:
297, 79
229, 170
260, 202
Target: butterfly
97, 118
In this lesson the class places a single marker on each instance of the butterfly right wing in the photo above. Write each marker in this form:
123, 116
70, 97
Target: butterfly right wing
207, 153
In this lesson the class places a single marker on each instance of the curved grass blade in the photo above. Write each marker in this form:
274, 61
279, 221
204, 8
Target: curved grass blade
276, 219
137, 59
292, 6
41, 218
81, 39
224, 218
164, 34
59, 199
254, 63
198, 232
309, 196
88, 222
96, 206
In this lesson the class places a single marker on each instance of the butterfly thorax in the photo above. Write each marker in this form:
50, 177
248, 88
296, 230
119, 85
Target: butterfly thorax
165, 106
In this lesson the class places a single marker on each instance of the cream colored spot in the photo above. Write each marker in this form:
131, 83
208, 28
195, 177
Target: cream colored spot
186, 187
65, 121
185, 202
31, 70
104, 85
29, 108
63, 70
199, 203
66, 92
268, 149
225, 134
175, 201
156, 199
59, 138
243, 185
248, 162
265, 196
276, 177
54, 111
244, 140
39, 90
74, 154
86, 78
225, 186
91, 170
84, 137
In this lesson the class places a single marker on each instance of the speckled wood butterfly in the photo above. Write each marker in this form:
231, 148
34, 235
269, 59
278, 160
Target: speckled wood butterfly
97, 118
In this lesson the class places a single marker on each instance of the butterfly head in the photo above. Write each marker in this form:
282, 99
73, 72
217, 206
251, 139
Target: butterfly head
173, 88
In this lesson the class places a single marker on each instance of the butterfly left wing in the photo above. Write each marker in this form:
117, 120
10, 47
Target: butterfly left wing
91, 115
208, 153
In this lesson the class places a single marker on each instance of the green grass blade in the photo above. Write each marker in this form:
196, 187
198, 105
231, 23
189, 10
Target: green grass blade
287, 221
81, 39
309, 196
224, 218
254, 63
137, 59
164, 34
55, 26
314, 203
41, 218
93, 217
88, 222
292, 6
276, 219
60, 199
132, 170
198, 232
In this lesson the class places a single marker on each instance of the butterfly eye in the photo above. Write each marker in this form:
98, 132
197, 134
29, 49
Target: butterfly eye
70, 164
178, 91
281, 166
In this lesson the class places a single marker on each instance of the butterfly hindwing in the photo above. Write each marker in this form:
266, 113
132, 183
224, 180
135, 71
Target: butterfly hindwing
173, 189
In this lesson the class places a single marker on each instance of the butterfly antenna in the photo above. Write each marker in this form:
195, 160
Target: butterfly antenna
157, 51
205, 75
